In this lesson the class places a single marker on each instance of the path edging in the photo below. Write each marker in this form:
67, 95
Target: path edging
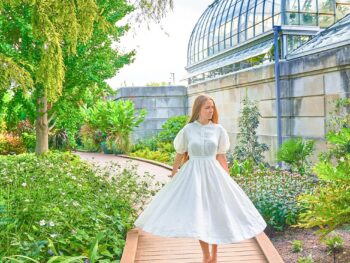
166, 166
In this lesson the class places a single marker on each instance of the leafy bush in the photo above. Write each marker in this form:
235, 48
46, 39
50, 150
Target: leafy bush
29, 141
11, 144
58, 139
247, 146
90, 139
57, 205
328, 205
295, 152
308, 259
116, 120
160, 147
159, 156
171, 127
297, 246
150, 143
274, 194
334, 243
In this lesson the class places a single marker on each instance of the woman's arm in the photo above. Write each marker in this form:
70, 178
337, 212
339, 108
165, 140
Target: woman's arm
177, 163
223, 161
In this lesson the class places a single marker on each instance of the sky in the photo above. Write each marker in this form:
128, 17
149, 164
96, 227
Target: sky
160, 52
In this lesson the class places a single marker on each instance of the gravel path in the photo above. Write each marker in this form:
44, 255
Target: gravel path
161, 174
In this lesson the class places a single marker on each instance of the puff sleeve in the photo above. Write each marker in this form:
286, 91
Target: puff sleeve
224, 142
180, 142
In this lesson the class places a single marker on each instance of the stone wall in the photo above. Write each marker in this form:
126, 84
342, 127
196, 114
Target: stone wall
161, 103
309, 85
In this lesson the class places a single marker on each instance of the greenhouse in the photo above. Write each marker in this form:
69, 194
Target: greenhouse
233, 35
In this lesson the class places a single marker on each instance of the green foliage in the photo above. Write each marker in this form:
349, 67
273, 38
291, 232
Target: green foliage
274, 193
245, 167
159, 156
58, 139
63, 51
171, 127
54, 206
308, 259
297, 246
334, 243
329, 205
294, 152
160, 147
150, 143
116, 119
29, 140
248, 146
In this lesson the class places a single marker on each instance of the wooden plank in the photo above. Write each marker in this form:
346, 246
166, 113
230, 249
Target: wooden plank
129, 253
247, 259
268, 249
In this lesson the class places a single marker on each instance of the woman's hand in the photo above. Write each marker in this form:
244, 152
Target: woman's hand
173, 172
177, 163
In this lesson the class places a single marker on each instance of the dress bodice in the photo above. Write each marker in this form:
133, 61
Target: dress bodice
202, 139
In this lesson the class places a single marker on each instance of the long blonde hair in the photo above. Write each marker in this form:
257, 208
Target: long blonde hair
196, 108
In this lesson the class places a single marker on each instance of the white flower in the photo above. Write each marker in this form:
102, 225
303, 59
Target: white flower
27, 200
63, 193
79, 185
74, 232
24, 184
73, 177
53, 235
342, 159
51, 223
75, 203
51, 179
42, 222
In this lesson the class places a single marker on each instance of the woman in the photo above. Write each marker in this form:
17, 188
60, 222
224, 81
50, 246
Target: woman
202, 201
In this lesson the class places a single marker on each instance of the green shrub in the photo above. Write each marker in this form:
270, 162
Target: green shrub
150, 143
57, 205
159, 156
274, 193
308, 259
297, 246
248, 147
115, 120
58, 140
328, 205
29, 141
334, 243
294, 152
171, 127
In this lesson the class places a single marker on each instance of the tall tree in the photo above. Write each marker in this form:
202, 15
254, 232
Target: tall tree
61, 51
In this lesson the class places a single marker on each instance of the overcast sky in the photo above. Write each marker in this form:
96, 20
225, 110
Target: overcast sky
161, 52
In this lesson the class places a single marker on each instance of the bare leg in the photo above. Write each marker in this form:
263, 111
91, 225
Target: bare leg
214, 253
205, 250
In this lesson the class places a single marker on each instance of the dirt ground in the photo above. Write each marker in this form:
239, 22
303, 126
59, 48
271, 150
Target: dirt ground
311, 245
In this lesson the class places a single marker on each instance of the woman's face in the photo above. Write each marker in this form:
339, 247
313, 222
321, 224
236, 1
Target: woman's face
207, 110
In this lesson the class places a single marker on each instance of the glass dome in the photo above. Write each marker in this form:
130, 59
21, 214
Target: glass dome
227, 24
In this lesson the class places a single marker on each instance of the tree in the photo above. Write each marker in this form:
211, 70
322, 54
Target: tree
248, 147
45, 47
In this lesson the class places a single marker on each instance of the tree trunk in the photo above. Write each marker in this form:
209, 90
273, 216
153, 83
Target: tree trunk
42, 128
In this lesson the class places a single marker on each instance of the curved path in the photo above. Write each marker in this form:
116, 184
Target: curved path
161, 173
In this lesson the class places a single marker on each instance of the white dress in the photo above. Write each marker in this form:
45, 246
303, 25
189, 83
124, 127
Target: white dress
202, 201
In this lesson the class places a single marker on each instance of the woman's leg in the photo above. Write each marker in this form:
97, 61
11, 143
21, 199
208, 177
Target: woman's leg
205, 250
214, 253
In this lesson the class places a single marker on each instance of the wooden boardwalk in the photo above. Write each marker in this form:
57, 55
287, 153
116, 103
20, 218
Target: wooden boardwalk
142, 247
